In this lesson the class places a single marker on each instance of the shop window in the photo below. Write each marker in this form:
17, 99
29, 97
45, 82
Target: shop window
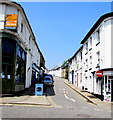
20, 66
110, 77
23, 55
20, 71
8, 47
18, 51
109, 85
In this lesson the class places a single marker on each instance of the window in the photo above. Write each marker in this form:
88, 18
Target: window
21, 27
98, 36
86, 64
98, 57
86, 47
81, 55
80, 77
18, 51
90, 61
90, 41
29, 40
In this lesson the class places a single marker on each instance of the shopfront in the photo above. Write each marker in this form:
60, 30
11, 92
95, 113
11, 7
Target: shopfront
8, 63
35, 74
108, 86
13, 65
20, 69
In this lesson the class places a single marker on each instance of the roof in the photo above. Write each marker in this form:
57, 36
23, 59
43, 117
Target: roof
76, 53
96, 25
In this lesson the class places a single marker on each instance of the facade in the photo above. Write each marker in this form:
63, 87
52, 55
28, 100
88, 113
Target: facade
21, 56
96, 56
75, 68
57, 71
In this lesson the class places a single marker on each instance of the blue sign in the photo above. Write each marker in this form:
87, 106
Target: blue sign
38, 89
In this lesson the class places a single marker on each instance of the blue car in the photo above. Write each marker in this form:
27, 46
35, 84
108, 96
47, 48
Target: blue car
48, 81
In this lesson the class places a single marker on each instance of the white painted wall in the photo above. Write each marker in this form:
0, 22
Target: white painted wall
88, 80
33, 56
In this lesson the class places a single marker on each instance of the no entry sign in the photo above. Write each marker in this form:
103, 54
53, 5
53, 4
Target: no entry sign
99, 73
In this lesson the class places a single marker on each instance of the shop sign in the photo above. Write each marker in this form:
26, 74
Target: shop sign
11, 21
99, 73
109, 73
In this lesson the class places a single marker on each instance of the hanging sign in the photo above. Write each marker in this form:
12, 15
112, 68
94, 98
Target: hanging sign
99, 73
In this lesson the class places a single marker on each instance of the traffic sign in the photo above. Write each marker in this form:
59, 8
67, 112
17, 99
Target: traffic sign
99, 73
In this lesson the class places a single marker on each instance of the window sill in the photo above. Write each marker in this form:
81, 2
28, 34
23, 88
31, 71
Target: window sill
98, 43
90, 49
97, 66
90, 69
86, 53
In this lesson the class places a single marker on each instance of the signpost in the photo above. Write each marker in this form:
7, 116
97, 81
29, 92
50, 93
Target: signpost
99, 73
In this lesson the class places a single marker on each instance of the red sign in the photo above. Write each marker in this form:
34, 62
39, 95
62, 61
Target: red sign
99, 73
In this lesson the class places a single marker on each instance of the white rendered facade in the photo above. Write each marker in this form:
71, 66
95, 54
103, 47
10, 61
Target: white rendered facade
97, 55
25, 40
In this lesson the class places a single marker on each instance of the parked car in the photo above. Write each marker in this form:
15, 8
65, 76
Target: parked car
45, 74
48, 81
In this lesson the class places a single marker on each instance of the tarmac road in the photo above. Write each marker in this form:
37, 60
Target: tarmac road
65, 103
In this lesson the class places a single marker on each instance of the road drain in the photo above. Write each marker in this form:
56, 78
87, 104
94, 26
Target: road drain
83, 116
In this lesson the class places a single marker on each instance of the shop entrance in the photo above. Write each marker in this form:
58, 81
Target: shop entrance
108, 88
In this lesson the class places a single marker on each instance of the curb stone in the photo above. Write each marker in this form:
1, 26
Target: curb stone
89, 100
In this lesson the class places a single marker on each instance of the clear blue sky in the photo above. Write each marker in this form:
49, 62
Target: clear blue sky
59, 27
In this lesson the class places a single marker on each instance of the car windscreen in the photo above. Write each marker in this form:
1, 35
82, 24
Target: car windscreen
47, 80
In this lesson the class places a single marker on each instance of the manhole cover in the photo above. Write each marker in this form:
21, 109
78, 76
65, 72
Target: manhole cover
83, 116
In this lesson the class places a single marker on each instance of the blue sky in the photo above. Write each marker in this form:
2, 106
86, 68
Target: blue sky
59, 27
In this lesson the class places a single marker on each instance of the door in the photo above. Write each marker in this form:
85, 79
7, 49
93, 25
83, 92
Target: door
72, 77
7, 78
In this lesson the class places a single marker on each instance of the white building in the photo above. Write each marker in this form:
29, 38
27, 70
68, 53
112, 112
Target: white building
21, 56
75, 68
57, 71
97, 56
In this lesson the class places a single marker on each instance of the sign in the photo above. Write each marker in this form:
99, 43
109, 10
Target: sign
38, 89
99, 73
109, 73
11, 21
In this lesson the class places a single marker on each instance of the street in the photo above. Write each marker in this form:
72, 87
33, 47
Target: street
65, 103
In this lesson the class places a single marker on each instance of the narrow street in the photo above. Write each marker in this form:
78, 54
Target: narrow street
65, 103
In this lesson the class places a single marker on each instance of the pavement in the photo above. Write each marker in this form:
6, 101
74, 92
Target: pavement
26, 97
89, 97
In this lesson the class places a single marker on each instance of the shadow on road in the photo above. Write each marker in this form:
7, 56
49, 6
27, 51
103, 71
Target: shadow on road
49, 91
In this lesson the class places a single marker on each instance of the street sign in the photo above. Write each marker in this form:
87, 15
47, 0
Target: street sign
99, 73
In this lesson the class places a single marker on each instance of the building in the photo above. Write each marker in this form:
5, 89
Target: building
97, 55
64, 70
22, 59
75, 68
56, 71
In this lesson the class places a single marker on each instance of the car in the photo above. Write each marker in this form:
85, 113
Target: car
47, 81
45, 74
